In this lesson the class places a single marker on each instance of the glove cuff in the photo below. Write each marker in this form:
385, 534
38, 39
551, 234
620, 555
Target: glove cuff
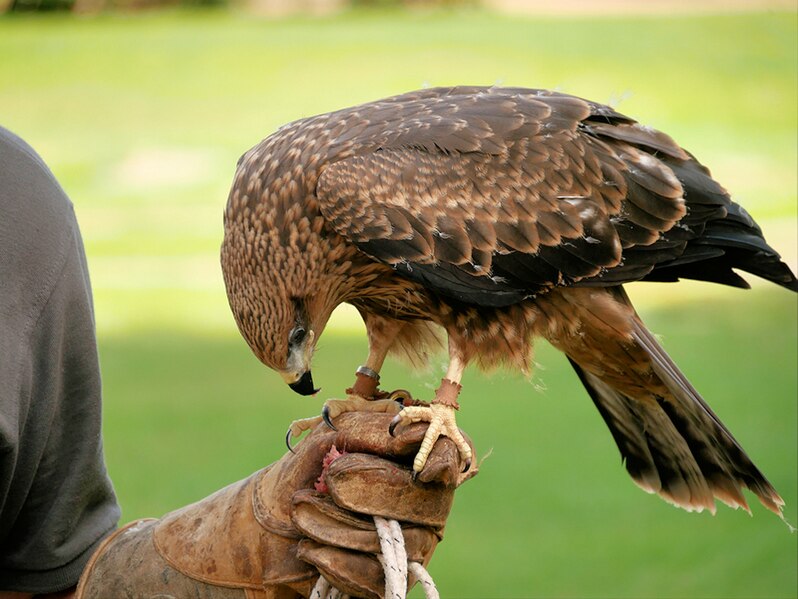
224, 540
216, 548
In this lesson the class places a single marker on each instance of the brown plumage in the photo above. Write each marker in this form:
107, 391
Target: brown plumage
499, 214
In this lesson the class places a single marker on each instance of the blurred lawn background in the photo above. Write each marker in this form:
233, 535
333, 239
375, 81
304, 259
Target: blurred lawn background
142, 118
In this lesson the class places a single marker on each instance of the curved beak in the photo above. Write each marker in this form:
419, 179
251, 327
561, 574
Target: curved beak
304, 385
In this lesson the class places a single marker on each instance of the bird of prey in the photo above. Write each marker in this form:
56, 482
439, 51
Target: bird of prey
497, 215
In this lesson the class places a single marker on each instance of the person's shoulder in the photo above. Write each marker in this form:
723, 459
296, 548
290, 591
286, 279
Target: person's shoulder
27, 182
37, 226
11, 143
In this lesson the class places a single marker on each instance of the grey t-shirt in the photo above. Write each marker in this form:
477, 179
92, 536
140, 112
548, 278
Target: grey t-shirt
56, 500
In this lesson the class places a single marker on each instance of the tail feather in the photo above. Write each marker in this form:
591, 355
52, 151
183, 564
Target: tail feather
655, 454
671, 442
725, 463
626, 428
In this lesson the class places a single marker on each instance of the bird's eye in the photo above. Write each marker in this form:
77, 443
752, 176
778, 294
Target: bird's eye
297, 335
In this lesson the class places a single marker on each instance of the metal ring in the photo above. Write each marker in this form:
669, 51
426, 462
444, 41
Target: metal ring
368, 372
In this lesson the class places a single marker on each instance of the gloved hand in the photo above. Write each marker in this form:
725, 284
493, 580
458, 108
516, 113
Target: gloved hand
258, 537
342, 543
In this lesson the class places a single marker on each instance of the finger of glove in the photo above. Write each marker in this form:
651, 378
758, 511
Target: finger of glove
356, 574
318, 517
444, 464
375, 486
367, 432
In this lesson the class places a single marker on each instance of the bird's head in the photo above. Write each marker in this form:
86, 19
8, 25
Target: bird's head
281, 299
282, 332
284, 272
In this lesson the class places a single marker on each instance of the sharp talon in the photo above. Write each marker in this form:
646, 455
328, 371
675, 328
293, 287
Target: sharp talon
325, 415
414, 475
467, 465
393, 424
288, 441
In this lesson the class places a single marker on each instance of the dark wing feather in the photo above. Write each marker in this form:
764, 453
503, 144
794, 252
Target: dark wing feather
516, 191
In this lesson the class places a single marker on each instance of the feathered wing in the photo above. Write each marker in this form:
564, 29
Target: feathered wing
489, 196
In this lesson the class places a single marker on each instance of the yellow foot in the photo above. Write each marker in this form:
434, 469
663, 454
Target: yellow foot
298, 427
334, 408
442, 422
354, 403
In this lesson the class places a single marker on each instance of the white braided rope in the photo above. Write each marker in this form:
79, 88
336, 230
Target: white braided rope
321, 590
394, 564
393, 558
421, 574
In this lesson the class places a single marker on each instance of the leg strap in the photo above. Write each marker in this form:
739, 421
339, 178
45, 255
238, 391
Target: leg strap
447, 394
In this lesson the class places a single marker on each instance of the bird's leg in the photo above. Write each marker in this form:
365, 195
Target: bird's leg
440, 414
365, 395
382, 333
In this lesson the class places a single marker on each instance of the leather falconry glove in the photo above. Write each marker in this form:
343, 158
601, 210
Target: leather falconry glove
269, 535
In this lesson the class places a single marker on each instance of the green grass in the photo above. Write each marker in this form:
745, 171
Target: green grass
142, 118
552, 513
